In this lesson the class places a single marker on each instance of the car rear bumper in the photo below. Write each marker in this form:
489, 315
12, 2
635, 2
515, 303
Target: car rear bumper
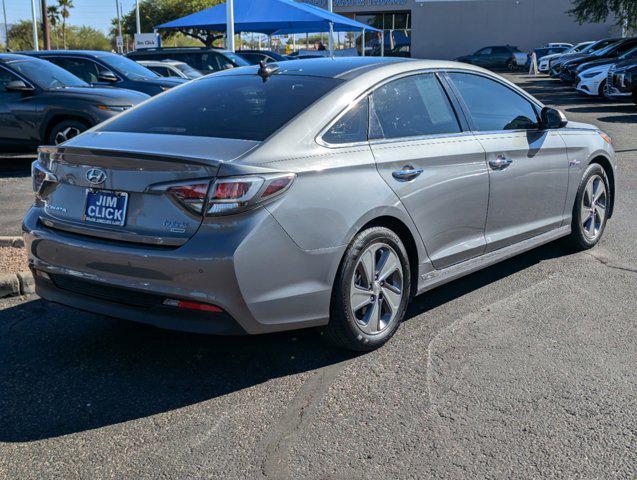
244, 264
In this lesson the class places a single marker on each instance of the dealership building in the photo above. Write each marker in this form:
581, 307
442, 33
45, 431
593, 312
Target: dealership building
445, 29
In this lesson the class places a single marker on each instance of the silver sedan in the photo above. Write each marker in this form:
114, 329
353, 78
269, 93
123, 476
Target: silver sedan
315, 193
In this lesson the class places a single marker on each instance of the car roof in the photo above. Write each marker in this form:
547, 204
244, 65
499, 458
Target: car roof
178, 50
161, 62
348, 68
10, 57
87, 53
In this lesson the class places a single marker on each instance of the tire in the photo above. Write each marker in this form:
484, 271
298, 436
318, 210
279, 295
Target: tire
511, 66
601, 92
371, 325
65, 130
585, 234
635, 97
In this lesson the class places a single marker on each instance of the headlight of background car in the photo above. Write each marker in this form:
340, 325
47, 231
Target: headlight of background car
114, 108
590, 74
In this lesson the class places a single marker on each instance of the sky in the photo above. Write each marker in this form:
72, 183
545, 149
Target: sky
96, 13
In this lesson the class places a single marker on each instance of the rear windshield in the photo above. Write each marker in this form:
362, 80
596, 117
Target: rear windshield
238, 106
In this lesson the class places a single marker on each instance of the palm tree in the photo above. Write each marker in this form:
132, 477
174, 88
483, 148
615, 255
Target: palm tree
53, 12
65, 11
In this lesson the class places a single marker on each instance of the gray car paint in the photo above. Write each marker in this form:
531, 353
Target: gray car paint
273, 268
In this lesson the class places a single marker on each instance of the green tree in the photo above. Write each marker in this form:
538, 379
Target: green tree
156, 12
597, 11
53, 12
87, 38
65, 11
21, 35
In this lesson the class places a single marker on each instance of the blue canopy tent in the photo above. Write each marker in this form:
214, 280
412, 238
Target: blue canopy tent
271, 17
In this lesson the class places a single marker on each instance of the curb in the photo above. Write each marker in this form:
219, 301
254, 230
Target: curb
13, 284
17, 242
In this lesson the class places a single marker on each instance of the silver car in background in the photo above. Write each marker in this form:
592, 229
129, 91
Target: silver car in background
313, 193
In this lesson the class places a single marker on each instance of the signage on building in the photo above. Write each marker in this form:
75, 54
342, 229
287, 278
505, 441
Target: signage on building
147, 40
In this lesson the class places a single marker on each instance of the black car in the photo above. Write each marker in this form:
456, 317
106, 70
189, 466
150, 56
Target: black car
628, 56
41, 103
569, 71
622, 77
555, 65
108, 69
206, 60
254, 57
498, 57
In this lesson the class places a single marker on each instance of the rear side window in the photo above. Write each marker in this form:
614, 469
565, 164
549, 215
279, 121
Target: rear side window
493, 106
238, 106
412, 106
352, 127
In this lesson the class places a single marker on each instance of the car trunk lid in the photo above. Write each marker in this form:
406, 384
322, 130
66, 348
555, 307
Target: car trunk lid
121, 186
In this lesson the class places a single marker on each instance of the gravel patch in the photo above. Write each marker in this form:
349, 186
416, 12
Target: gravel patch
13, 260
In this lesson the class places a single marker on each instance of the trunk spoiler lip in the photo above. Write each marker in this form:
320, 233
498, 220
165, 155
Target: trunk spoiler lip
113, 152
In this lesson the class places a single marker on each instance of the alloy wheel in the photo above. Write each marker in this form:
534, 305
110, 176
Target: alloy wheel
66, 134
376, 288
593, 208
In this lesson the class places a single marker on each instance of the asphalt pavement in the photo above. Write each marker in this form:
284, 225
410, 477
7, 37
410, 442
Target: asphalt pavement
523, 370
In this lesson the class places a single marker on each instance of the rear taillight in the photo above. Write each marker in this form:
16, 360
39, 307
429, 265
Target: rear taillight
237, 194
228, 195
41, 176
193, 196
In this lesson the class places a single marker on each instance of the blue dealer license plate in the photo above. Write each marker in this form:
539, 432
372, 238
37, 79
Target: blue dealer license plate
105, 207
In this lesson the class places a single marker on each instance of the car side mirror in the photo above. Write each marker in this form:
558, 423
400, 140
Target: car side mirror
552, 118
107, 76
18, 86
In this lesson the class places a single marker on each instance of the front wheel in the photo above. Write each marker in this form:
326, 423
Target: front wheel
66, 130
591, 208
371, 291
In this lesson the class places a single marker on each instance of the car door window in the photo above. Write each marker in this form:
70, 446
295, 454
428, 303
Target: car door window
210, 62
412, 106
485, 52
352, 127
5, 78
87, 70
492, 105
163, 71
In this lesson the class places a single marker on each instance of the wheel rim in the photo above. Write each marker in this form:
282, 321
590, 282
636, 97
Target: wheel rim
376, 288
593, 209
66, 134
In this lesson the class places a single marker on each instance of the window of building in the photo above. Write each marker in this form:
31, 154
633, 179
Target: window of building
397, 29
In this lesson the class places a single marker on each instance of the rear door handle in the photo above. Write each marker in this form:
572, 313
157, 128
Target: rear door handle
407, 173
500, 162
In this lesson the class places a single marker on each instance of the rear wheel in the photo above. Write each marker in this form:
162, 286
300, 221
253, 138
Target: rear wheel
590, 212
66, 130
371, 291
602, 89
511, 66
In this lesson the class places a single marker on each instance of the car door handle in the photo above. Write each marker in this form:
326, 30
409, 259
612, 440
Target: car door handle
407, 173
500, 162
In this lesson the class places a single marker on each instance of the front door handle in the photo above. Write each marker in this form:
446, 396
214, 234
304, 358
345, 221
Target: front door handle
407, 173
500, 162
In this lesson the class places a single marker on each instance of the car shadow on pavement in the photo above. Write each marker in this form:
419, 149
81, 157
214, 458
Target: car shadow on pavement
63, 371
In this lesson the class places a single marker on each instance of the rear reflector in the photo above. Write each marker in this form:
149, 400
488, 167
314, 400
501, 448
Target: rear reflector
186, 305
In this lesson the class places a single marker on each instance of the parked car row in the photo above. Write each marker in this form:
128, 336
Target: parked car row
604, 68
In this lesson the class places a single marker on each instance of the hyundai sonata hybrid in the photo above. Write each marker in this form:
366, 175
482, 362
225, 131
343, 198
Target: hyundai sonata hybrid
312, 193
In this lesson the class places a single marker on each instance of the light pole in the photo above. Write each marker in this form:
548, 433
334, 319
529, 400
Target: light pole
230, 25
137, 20
6, 27
34, 16
330, 40
119, 29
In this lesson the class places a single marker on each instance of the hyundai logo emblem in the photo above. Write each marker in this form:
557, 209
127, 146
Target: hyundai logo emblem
96, 176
